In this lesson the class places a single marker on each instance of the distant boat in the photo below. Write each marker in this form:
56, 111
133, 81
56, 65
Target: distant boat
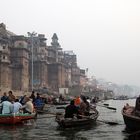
16, 118
122, 97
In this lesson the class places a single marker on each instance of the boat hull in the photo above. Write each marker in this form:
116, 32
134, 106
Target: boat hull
74, 122
131, 121
15, 118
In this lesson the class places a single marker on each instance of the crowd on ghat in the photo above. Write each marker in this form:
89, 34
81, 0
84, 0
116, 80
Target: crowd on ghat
25, 104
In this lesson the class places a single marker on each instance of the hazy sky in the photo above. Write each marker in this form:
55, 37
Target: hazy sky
104, 34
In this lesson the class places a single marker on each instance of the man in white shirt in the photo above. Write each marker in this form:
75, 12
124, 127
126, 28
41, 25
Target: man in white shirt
7, 107
16, 106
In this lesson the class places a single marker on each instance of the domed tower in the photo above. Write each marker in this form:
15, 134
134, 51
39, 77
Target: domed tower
55, 42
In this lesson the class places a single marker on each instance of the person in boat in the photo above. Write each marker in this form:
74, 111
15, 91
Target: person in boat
22, 99
71, 110
16, 106
61, 99
7, 106
38, 101
126, 106
4, 97
28, 107
11, 97
77, 101
137, 106
84, 106
33, 96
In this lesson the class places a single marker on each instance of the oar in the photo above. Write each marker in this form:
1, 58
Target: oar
107, 122
47, 117
52, 115
42, 111
112, 108
106, 104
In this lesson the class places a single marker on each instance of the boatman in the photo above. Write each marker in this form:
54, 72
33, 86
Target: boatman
71, 110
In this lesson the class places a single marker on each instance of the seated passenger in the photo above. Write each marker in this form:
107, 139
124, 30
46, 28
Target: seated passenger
38, 101
84, 107
22, 99
71, 110
28, 107
11, 96
33, 96
7, 107
4, 97
77, 101
16, 106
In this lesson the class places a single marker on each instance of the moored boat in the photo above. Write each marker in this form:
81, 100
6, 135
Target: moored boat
16, 118
75, 122
131, 120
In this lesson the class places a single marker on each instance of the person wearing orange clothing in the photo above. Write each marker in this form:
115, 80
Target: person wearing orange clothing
77, 101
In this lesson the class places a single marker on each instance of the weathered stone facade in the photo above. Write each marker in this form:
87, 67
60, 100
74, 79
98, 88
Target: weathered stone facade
20, 69
56, 76
5, 71
21, 57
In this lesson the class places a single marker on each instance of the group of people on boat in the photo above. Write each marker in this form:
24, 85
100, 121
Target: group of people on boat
77, 108
11, 104
37, 99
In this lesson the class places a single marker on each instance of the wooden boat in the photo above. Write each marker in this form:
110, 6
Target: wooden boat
122, 97
16, 118
75, 122
132, 121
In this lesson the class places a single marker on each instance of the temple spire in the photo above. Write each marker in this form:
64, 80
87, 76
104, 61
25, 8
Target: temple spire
55, 41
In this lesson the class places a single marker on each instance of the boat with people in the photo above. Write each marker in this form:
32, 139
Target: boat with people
76, 121
14, 118
131, 119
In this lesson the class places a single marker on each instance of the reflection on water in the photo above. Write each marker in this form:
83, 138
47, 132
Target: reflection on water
48, 129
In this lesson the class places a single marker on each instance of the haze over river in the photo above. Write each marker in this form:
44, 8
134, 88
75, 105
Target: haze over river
47, 128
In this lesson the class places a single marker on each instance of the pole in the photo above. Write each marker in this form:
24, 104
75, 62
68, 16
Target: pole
32, 35
32, 61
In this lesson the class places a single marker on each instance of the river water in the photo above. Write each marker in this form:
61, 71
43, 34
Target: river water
47, 129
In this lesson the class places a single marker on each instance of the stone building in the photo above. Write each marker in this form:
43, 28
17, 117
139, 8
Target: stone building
14, 57
5, 69
28, 62
39, 60
70, 61
56, 69
19, 63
